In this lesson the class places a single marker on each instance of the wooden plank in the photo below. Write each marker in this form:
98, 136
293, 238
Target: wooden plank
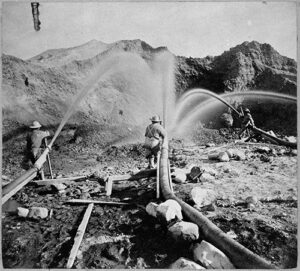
57, 181
108, 186
130, 177
79, 235
85, 201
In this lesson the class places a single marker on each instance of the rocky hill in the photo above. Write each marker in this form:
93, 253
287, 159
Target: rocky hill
247, 66
127, 88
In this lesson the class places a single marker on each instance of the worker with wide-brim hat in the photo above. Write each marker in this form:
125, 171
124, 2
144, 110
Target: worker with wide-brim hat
35, 141
154, 137
247, 121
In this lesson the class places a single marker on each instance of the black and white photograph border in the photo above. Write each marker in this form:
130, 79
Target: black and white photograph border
149, 135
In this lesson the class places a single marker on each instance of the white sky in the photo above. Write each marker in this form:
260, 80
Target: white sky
194, 29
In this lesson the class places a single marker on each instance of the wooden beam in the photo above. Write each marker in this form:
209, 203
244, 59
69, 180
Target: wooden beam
57, 181
85, 201
128, 177
131, 177
79, 235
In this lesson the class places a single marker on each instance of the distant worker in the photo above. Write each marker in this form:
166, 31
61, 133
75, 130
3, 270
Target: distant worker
247, 122
34, 142
154, 137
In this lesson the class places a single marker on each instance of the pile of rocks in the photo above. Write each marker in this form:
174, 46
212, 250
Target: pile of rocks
205, 255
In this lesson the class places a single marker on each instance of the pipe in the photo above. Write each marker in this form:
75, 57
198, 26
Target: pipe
240, 256
12, 188
278, 140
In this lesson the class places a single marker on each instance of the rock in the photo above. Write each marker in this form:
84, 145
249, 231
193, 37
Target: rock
38, 212
169, 210
291, 198
209, 170
211, 257
263, 149
209, 208
250, 206
239, 155
294, 152
232, 234
151, 209
291, 139
183, 263
230, 153
265, 158
184, 231
22, 212
178, 176
213, 156
195, 173
202, 197
210, 145
223, 157
206, 177
252, 200
59, 186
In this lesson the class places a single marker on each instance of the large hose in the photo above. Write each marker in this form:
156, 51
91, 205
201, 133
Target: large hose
12, 188
274, 138
240, 256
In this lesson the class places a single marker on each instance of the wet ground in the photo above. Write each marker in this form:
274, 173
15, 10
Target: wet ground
127, 237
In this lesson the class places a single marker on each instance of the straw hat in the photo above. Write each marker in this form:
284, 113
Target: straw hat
155, 119
35, 124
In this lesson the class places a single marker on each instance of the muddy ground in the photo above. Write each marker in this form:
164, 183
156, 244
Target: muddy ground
127, 237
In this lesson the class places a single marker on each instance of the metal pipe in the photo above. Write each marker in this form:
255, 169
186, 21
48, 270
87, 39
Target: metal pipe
12, 188
240, 256
278, 140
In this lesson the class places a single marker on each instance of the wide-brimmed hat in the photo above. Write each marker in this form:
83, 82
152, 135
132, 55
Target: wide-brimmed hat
35, 124
155, 119
247, 110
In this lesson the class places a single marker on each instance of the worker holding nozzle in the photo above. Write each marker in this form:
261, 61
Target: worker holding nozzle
35, 141
247, 121
155, 136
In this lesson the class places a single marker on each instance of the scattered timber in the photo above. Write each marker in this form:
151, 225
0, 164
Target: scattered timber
79, 235
84, 201
58, 181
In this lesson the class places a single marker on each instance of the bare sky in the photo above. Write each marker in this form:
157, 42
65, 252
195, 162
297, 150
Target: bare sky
194, 29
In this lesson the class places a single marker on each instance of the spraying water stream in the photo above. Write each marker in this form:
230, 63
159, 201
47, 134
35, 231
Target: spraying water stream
185, 113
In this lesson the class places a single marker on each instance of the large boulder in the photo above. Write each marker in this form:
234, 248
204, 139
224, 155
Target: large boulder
213, 156
178, 176
168, 211
38, 212
206, 177
202, 196
223, 157
22, 212
183, 263
211, 257
184, 231
151, 209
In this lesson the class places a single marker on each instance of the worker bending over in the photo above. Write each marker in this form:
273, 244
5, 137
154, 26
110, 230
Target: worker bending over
155, 136
34, 142
247, 121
